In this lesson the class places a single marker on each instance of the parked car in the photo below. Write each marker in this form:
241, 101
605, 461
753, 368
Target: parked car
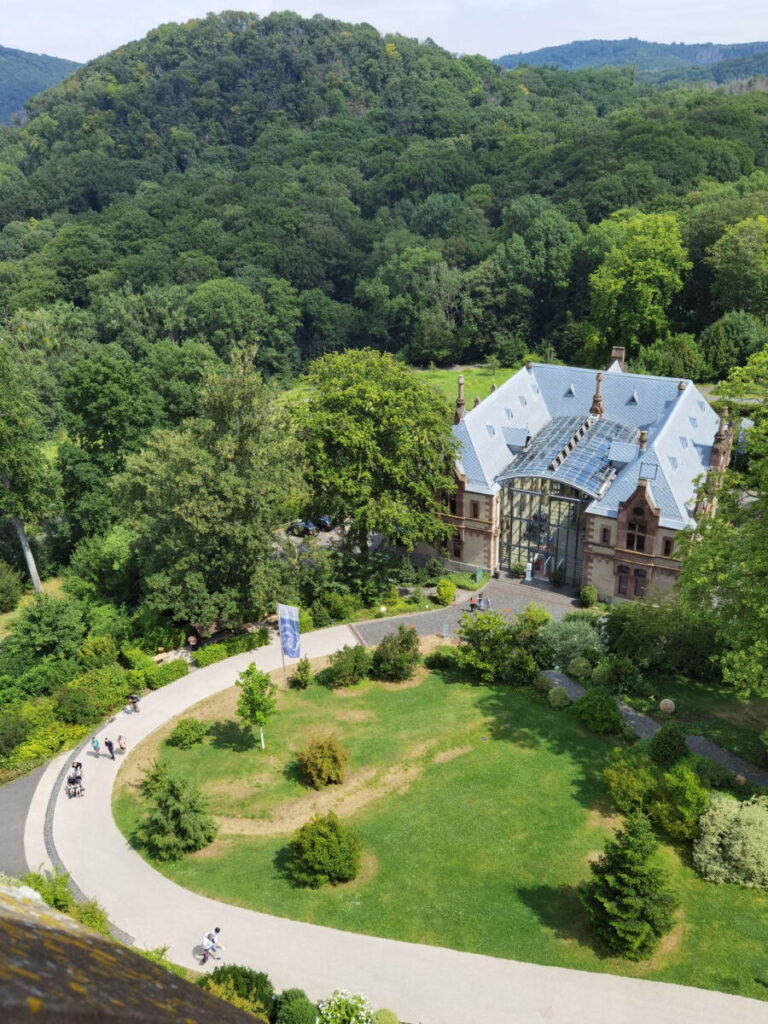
302, 528
325, 523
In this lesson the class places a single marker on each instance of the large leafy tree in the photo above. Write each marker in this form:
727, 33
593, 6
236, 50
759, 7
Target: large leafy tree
204, 501
739, 261
378, 445
642, 271
28, 483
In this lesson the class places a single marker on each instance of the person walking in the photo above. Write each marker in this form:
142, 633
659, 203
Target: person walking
95, 746
77, 770
122, 743
133, 700
487, 604
110, 747
472, 604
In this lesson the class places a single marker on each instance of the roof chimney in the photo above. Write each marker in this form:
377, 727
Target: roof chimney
682, 386
458, 416
618, 354
643, 442
529, 365
596, 409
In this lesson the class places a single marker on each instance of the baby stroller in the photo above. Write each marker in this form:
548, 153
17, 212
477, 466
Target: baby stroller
75, 786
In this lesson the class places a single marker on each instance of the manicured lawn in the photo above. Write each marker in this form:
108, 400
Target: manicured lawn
718, 714
479, 809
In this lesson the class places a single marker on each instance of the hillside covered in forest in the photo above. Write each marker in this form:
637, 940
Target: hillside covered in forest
23, 75
690, 61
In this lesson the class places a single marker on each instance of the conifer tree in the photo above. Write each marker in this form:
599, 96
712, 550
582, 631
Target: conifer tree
178, 820
629, 903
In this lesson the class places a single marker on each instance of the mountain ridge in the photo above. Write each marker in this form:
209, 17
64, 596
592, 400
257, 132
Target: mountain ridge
23, 75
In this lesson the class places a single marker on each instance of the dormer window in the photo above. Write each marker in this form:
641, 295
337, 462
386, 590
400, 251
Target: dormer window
636, 530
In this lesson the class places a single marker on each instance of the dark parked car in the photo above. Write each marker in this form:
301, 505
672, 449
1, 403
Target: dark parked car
302, 528
325, 523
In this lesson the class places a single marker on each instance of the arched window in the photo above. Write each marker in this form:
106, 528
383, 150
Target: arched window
636, 529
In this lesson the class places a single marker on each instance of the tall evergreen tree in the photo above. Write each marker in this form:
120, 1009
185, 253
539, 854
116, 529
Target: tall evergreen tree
177, 821
629, 903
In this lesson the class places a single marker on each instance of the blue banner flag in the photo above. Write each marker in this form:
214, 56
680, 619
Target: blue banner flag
288, 620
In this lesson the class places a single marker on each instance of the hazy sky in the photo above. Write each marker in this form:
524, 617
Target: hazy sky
81, 29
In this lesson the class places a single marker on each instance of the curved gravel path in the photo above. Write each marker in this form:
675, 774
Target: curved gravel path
424, 984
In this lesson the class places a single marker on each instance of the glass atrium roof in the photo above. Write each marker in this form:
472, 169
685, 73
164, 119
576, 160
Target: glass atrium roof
573, 450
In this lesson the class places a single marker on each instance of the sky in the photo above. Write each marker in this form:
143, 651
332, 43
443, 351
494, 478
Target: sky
82, 29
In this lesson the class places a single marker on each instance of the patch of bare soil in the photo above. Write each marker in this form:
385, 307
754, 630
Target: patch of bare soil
360, 790
602, 817
215, 849
449, 755
352, 715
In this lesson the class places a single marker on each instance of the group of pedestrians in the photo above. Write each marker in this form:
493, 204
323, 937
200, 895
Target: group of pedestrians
479, 603
122, 744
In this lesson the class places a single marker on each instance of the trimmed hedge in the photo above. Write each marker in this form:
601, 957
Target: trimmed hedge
162, 675
238, 644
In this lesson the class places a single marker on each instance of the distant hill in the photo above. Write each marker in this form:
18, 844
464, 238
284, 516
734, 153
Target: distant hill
23, 75
688, 61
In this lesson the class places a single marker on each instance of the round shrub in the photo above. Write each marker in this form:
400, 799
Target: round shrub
558, 697
323, 762
75, 705
98, 651
385, 1017
302, 675
396, 657
11, 587
442, 659
186, 733
324, 851
619, 675
597, 710
177, 820
678, 802
345, 1008
630, 777
445, 592
588, 596
579, 668
294, 1007
348, 666
558, 643
733, 841
668, 746
254, 987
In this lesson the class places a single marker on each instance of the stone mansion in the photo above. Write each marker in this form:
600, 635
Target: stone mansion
589, 477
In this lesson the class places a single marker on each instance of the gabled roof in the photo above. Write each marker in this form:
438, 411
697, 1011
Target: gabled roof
605, 462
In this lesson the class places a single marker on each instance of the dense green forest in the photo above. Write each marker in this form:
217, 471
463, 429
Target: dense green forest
189, 222
23, 75
658, 61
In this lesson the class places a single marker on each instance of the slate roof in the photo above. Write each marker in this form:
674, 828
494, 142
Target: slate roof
546, 403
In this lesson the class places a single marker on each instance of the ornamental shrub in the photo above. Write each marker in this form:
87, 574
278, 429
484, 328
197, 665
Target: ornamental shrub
588, 596
348, 666
306, 623
558, 643
630, 777
678, 802
13, 731
11, 587
579, 668
177, 820
528, 624
76, 705
324, 850
98, 651
519, 669
558, 697
619, 675
162, 675
385, 1017
253, 987
345, 1008
486, 643
210, 654
442, 659
294, 1007
445, 592
597, 710
629, 903
668, 745
733, 841
432, 571
396, 657
341, 606
323, 761
250, 640
302, 675
187, 732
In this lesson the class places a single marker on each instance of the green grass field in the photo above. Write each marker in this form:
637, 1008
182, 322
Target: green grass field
479, 809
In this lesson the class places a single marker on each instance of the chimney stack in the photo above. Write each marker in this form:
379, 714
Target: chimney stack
618, 354
529, 365
643, 442
682, 386
597, 409
458, 416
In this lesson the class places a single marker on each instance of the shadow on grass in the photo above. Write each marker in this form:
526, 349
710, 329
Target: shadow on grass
231, 735
281, 863
523, 717
293, 773
559, 909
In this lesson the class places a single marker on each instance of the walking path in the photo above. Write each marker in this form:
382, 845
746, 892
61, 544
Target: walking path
645, 727
424, 984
